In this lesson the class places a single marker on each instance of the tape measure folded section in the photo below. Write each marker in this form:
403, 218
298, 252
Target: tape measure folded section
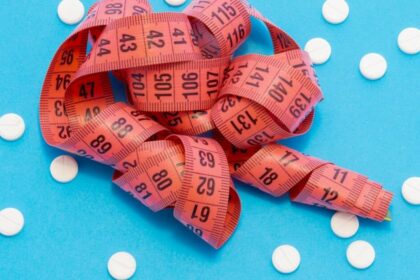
181, 80
263, 100
276, 169
190, 174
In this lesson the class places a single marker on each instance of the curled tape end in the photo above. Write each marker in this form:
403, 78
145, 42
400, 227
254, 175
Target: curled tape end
388, 217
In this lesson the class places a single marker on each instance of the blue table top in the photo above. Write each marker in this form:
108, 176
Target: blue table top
371, 127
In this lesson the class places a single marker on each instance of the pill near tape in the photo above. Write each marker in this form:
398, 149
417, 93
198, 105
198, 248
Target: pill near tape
286, 258
319, 50
175, 2
64, 169
360, 254
12, 127
11, 221
70, 11
181, 81
344, 225
411, 190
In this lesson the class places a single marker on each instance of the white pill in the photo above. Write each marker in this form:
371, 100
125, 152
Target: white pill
373, 66
11, 221
344, 225
335, 11
122, 265
409, 40
175, 2
360, 254
12, 127
411, 190
64, 169
70, 11
319, 50
286, 258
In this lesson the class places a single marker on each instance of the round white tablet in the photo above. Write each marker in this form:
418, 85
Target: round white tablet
70, 11
319, 50
122, 265
12, 127
175, 2
411, 190
360, 254
344, 225
335, 11
286, 258
11, 221
409, 40
373, 66
64, 168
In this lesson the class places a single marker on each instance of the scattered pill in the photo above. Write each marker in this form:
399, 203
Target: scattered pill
373, 66
64, 169
344, 225
122, 265
12, 127
175, 2
409, 40
319, 50
360, 254
411, 190
70, 11
286, 258
335, 11
11, 221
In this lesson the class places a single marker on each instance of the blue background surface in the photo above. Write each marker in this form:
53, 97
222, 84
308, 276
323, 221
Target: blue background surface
371, 127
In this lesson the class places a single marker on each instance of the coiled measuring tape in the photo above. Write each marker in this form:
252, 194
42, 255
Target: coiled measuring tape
181, 81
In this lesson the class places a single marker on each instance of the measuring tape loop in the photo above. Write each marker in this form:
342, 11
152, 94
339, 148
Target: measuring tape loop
190, 174
203, 205
181, 81
273, 88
